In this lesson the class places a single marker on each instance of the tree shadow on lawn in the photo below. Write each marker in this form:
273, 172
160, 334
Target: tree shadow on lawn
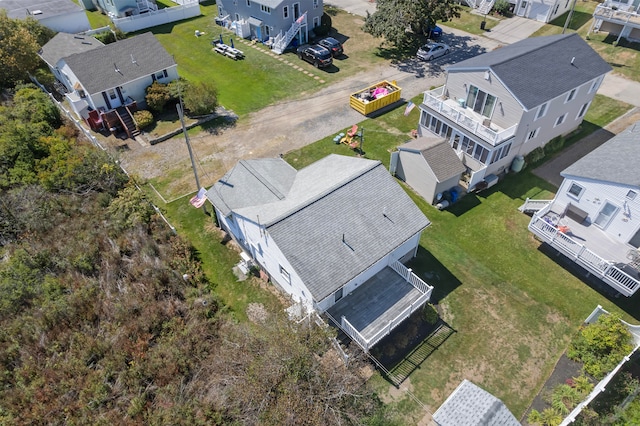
408, 346
630, 305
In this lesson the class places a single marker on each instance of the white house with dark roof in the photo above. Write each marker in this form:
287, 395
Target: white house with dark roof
104, 78
510, 101
428, 165
470, 405
331, 235
277, 21
621, 18
58, 15
594, 218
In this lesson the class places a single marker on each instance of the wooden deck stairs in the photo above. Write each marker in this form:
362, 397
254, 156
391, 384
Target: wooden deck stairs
128, 123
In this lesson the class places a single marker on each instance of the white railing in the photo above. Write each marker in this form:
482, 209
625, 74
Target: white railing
612, 11
534, 205
157, 17
367, 344
433, 100
411, 278
604, 269
281, 41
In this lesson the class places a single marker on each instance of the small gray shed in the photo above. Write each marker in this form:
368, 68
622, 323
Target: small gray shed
428, 165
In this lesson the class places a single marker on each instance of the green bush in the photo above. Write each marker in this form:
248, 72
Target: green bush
108, 37
535, 156
200, 98
158, 95
143, 118
430, 313
555, 144
502, 7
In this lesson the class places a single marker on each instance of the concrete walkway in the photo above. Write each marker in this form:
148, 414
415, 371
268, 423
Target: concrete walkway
513, 29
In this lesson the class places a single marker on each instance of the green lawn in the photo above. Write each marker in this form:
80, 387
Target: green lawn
470, 22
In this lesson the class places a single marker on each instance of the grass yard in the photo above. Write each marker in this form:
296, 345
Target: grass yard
506, 298
624, 58
470, 22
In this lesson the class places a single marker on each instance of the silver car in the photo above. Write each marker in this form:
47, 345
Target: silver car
432, 50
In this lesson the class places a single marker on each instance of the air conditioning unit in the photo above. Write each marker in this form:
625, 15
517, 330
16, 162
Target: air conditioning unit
491, 180
462, 103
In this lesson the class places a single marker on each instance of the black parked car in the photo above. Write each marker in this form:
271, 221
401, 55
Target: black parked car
333, 45
316, 55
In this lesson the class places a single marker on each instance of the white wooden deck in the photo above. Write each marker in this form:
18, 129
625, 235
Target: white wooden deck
590, 247
372, 307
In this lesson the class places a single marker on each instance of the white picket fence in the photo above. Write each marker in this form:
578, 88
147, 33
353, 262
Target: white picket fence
188, 9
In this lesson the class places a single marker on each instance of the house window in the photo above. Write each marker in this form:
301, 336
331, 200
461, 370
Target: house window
337, 295
265, 9
583, 110
560, 120
542, 111
82, 94
480, 101
575, 191
595, 84
631, 195
285, 274
500, 153
316, 21
285, 12
112, 94
533, 134
249, 3
556, 9
455, 142
315, 4
161, 74
424, 118
572, 94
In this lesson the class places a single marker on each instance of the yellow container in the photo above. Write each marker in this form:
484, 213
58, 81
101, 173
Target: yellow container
375, 97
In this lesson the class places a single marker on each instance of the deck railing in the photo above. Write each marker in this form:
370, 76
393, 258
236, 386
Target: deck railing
580, 254
433, 99
412, 279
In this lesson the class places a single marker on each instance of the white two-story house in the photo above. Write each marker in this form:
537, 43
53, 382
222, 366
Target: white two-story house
332, 236
510, 101
280, 22
594, 218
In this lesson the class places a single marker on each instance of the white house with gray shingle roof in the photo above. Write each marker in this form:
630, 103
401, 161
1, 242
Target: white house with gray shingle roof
512, 100
594, 218
428, 165
470, 405
331, 235
104, 77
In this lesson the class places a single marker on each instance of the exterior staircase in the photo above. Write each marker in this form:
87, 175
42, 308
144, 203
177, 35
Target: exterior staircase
282, 40
485, 7
126, 119
532, 206
146, 6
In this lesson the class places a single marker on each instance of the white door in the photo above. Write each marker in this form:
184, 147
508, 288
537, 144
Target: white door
606, 214
521, 8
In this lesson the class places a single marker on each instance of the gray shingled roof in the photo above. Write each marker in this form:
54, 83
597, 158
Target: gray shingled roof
17, 9
614, 161
334, 197
470, 405
252, 183
96, 69
538, 69
442, 160
64, 44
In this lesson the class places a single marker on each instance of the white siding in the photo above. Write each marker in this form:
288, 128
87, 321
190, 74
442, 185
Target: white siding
622, 226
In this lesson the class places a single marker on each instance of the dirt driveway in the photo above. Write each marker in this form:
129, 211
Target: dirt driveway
282, 127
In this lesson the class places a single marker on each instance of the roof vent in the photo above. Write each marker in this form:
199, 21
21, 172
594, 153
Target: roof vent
116, 67
573, 59
133, 60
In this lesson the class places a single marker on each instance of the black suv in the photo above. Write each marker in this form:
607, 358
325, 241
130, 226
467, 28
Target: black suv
333, 45
316, 55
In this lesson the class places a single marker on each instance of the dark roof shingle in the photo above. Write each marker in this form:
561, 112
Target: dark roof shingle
118, 63
64, 44
538, 69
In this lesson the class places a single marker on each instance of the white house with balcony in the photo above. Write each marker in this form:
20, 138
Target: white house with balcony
621, 18
594, 218
332, 236
510, 101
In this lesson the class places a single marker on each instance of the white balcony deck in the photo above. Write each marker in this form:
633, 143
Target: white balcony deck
467, 117
590, 247
618, 15
380, 304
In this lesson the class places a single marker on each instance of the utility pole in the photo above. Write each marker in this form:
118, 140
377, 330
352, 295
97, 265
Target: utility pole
566, 23
186, 138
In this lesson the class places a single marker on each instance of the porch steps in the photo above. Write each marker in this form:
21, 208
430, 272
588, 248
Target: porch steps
533, 206
127, 122
485, 7
282, 40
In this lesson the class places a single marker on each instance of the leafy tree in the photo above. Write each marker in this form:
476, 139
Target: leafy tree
21, 40
200, 98
130, 207
398, 21
601, 345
